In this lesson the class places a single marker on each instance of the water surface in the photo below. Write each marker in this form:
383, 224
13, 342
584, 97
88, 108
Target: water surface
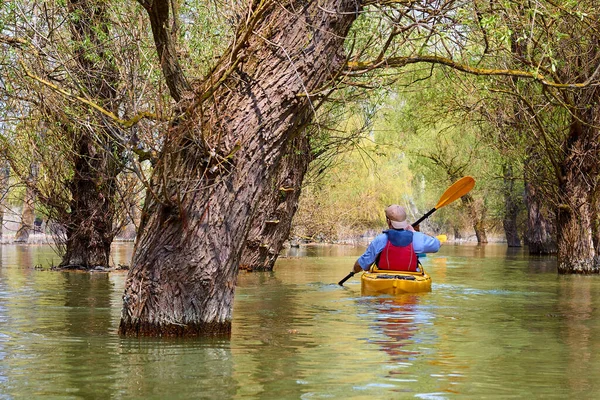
497, 324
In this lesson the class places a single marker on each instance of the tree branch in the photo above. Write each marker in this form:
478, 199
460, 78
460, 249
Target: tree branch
165, 42
545, 135
357, 68
125, 123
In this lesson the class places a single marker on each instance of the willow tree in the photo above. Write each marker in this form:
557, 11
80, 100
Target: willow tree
89, 231
447, 159
70, 61
564, 117
28, 210
438, 129
541, 218
220, 156
4, 187
558, 47
560, 69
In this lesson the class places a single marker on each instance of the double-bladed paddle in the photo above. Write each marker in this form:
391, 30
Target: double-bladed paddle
454, 192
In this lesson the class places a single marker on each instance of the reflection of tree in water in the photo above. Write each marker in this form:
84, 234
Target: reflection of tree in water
121, 254
61, 321
273, 331
87, 324
88, 299
439, 265
578, 296
168, 368
542, 263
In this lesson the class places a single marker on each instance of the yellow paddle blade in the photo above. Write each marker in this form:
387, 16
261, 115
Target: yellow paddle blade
457, 190
442, 238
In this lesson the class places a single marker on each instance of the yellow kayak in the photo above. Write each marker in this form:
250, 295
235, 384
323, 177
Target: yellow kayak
394, 282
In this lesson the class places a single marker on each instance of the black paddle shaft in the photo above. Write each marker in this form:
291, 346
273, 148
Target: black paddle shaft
424, 217
350, 275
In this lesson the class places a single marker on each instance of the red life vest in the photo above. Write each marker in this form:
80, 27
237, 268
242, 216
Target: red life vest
398, 258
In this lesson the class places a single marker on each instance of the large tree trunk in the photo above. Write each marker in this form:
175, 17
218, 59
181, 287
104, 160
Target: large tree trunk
273, 218
28, 211
219, 162
457, 233
541, 228
595, 203
511, 208
89, 224
4, 179
89, 230
477, 211
577, 215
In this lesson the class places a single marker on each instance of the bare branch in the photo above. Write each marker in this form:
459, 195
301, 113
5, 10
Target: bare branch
124, 123
164, 39
356, 68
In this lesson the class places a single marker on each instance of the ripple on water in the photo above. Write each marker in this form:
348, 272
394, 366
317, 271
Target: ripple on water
485, 331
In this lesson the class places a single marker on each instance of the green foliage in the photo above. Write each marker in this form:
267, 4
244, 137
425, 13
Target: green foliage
351, 197
425, 135
206, 31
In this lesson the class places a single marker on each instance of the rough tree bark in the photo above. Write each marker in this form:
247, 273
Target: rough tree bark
274, 214
541, 221
4, 179
28, 212
164, 32
476, 210
595, 207
89, 223
541, 230
218, 162
577, 214
511, 208
89, 227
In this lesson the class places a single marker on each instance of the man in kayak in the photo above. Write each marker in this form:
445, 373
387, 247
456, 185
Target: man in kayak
397, 248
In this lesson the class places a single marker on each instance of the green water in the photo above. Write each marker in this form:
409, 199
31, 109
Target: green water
497, 324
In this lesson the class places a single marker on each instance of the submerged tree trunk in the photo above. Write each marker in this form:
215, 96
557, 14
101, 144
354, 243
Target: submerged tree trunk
577, 214
273, 218
88, 225
457, 233
220, 161
541, 228
4, 179
511, 208
89, 230
476, 210
28, 212
595, 210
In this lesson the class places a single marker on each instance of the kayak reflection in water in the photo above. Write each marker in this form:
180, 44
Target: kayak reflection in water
399, 321
396, 249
